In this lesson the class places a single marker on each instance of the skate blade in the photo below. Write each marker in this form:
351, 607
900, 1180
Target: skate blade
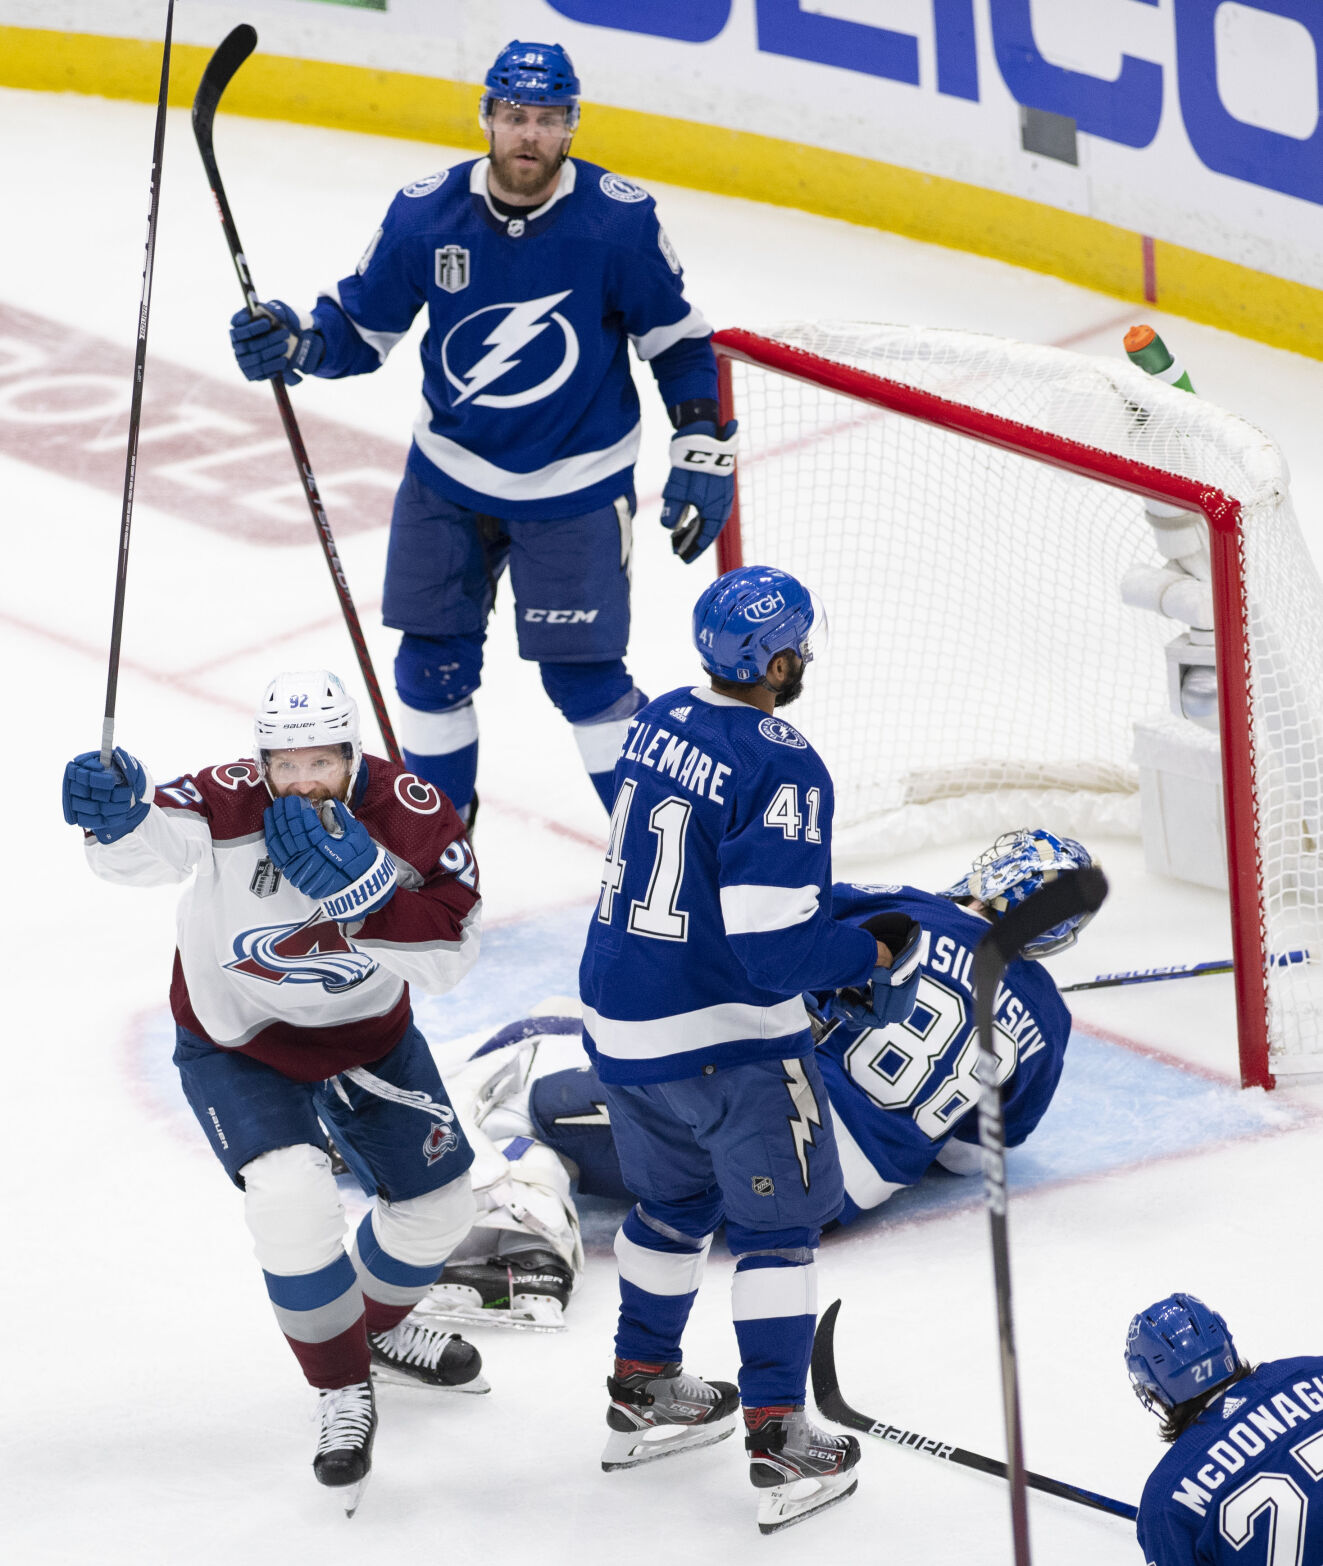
529, 1313
346, 1498
633, 1448
789, 1504
388, 1375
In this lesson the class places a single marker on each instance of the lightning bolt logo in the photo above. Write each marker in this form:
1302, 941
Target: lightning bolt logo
806, 1115
517, 327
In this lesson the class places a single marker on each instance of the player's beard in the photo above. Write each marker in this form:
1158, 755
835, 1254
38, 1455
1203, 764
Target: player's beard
792, 690
522, 179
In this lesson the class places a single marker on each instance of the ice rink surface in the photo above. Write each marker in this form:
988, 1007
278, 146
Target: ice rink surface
153, 1414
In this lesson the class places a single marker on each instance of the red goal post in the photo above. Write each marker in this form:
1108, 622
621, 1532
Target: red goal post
954, 384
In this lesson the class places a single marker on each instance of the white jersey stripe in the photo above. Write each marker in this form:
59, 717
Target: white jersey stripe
649, 344
750, 910
863, 1185
687, 1031
562, 477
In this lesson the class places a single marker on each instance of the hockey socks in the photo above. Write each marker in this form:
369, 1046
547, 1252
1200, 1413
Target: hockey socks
321, 1315
660, 1271
774, 1303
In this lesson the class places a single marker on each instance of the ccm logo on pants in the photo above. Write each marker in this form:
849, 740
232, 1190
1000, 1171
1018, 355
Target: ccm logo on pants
562, 616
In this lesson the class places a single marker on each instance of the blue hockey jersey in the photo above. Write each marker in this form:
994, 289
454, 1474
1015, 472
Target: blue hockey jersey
1243, 1486
922, 1070
529, 409
715, 909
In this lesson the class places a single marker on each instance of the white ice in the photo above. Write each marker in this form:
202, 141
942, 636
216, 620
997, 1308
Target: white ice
151, 1411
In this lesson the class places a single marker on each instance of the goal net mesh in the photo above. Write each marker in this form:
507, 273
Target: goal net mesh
982, 671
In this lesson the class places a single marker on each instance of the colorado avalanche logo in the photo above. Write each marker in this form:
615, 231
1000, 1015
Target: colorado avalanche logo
314, 952
441, 1139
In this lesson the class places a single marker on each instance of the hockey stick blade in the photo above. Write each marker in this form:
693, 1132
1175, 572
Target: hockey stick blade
827, 1393
1073, 892
230, 54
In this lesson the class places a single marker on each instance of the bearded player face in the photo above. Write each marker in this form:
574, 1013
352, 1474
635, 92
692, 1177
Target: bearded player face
528, 144
316, 772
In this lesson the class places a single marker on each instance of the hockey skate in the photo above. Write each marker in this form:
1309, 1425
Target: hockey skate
414, 1354
799, 1468
657, 1410
347, 1420
528, 1291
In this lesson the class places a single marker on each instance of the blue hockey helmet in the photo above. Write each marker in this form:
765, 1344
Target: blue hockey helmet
1016, 865
532, 73
1176, 1350
748, 616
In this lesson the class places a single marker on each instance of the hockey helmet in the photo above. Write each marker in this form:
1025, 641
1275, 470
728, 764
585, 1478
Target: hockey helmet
748, 616
1016, 865
1176, 1350
534, 74
304, 708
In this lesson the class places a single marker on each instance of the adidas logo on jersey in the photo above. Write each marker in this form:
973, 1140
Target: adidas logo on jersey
681, 713
1230, 1405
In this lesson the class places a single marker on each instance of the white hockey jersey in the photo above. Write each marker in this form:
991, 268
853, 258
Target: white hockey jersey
257, 968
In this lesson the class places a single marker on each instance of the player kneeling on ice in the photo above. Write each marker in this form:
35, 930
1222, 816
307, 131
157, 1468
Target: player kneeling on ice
903, 1096
714, 916
1246, 1461
326, 883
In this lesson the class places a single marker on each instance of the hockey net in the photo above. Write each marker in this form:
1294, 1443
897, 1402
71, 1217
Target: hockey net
967, 507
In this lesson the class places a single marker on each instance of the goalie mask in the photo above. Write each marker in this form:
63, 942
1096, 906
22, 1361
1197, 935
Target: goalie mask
1176, 1350
306, 708
1016, 865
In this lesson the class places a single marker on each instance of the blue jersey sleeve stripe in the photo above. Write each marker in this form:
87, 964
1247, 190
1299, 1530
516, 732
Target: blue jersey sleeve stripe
755, 910
649, 344
687, 1031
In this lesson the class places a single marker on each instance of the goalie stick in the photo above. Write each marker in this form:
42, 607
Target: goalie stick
135, 405
230, 54
827, 1394
1189, 970
1072, 892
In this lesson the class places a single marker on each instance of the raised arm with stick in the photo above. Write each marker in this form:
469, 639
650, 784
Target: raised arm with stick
232, 52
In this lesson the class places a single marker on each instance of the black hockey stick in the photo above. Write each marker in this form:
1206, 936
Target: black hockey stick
827, 1392
233, 50
1072, 892
135, 405
1189, 970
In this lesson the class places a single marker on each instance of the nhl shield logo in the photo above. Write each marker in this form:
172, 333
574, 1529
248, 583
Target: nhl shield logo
452, 268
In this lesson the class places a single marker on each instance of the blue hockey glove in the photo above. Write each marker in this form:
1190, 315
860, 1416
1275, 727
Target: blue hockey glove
889, 995
701, 489
279, 342
349, 874
107, 801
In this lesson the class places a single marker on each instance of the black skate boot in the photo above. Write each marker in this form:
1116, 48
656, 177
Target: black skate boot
656, 1410
347, 1421
529, 1290
415, 1354
799, 1468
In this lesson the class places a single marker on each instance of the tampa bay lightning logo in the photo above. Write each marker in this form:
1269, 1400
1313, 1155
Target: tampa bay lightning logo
314, 952
780, 733
530, 348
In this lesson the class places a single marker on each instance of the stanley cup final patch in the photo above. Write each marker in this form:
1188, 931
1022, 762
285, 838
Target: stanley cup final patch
452, 268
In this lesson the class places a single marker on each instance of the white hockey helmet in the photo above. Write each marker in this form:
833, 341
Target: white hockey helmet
303, 708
